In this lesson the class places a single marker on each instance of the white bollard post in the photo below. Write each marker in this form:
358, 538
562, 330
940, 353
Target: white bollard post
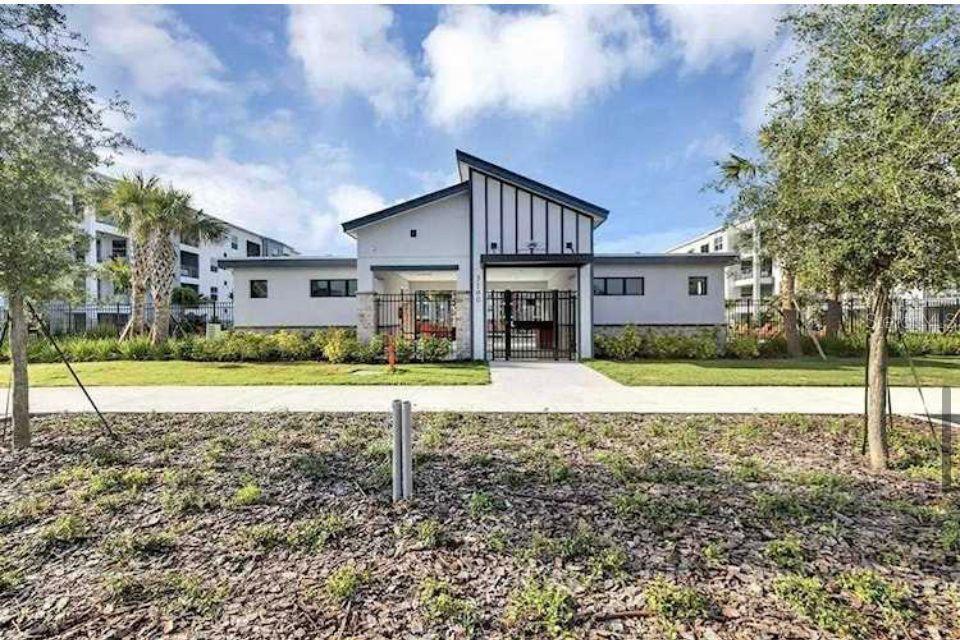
397, 451
407, 451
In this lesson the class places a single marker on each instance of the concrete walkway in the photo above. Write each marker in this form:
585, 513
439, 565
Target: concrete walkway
515, 387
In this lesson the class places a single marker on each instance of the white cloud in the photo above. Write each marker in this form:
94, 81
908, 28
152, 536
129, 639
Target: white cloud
149, 49
348, 50
711, 35
712, 147
352, 201
762, 77
436, 179
533, 62
264, 198
275, 127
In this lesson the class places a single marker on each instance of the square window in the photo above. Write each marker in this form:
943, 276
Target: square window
413, 233
570, 246
705, 248
319, 288
599, 287
718, 243
351, 288
258, 288
614, 286
697, 285
493, 246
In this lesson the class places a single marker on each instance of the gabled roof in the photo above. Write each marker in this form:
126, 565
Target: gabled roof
464, 158
403, 207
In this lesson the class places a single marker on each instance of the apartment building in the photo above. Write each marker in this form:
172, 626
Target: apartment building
741, 280
198, 267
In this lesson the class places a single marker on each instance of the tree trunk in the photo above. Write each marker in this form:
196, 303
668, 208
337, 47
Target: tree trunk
163, 258
136, 325
790, 329
877, 378
21, 383
834, 311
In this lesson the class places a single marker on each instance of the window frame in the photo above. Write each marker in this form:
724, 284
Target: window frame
692, 285
317, 290
623, 288
266, 289
718, 243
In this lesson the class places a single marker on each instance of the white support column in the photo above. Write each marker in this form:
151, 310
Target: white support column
585, 319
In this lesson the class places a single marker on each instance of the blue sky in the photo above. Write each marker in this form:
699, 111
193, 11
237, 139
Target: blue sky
290, 120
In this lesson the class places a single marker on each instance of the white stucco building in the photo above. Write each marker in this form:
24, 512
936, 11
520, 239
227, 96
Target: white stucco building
740, 280
502, 264
198, 262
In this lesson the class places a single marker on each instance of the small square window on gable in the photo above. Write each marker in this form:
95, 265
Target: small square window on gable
413, 233
493, 246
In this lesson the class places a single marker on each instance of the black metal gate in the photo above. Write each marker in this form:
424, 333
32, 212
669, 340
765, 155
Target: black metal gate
531, 325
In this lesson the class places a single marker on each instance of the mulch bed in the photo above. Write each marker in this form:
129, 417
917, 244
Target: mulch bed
599, 526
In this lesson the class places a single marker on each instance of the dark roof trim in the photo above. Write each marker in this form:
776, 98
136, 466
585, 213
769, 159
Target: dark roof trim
403, 207
535, 259
286, 261
414, 267
666, 258
543, 190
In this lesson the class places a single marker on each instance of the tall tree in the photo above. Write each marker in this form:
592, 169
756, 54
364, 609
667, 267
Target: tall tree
173, 217
129, 202
52, 134
877, 108
757, 202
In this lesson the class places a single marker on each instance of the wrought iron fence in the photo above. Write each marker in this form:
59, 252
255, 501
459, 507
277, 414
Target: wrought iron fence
64, 318
933, 315
416, 314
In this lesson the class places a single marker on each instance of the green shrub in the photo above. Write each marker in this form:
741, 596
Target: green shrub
290, 345
344, 583
183, 348
341, 346
90, 349
742, 347
673, 603
433, 349
247, 495
136, 348
810, 599
66, 529
404, 348
373, 351
318, 342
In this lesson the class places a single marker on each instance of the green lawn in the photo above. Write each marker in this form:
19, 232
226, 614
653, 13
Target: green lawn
834, 372
178, 372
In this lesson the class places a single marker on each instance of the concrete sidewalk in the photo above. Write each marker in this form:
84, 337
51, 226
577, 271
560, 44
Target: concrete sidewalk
515, 387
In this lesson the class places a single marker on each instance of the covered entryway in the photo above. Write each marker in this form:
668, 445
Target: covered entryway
531, 325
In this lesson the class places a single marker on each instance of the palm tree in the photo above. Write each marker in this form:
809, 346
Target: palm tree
172, 218
129, 202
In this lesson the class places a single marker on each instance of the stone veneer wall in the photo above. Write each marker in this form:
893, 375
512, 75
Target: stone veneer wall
366, 316
461, 322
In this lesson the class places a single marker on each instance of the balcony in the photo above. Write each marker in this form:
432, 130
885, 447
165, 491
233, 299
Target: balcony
189, 271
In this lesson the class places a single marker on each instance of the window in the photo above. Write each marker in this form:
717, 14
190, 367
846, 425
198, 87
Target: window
618, 286
413, 233
189, 265
705, 248
493, 246
697, 285
213, 265
253, 249
258, 288
718, 243
234, 243
118, 249
214, 293
333, 288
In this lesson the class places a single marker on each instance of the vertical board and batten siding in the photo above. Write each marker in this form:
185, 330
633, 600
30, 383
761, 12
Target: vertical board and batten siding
513, 218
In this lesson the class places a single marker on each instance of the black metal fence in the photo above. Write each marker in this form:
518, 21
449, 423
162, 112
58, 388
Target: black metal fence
64, 318
416, 314
531, 325
933, 315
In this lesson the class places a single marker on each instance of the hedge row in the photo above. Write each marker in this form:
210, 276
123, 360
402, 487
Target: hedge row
633, 344
330, 345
